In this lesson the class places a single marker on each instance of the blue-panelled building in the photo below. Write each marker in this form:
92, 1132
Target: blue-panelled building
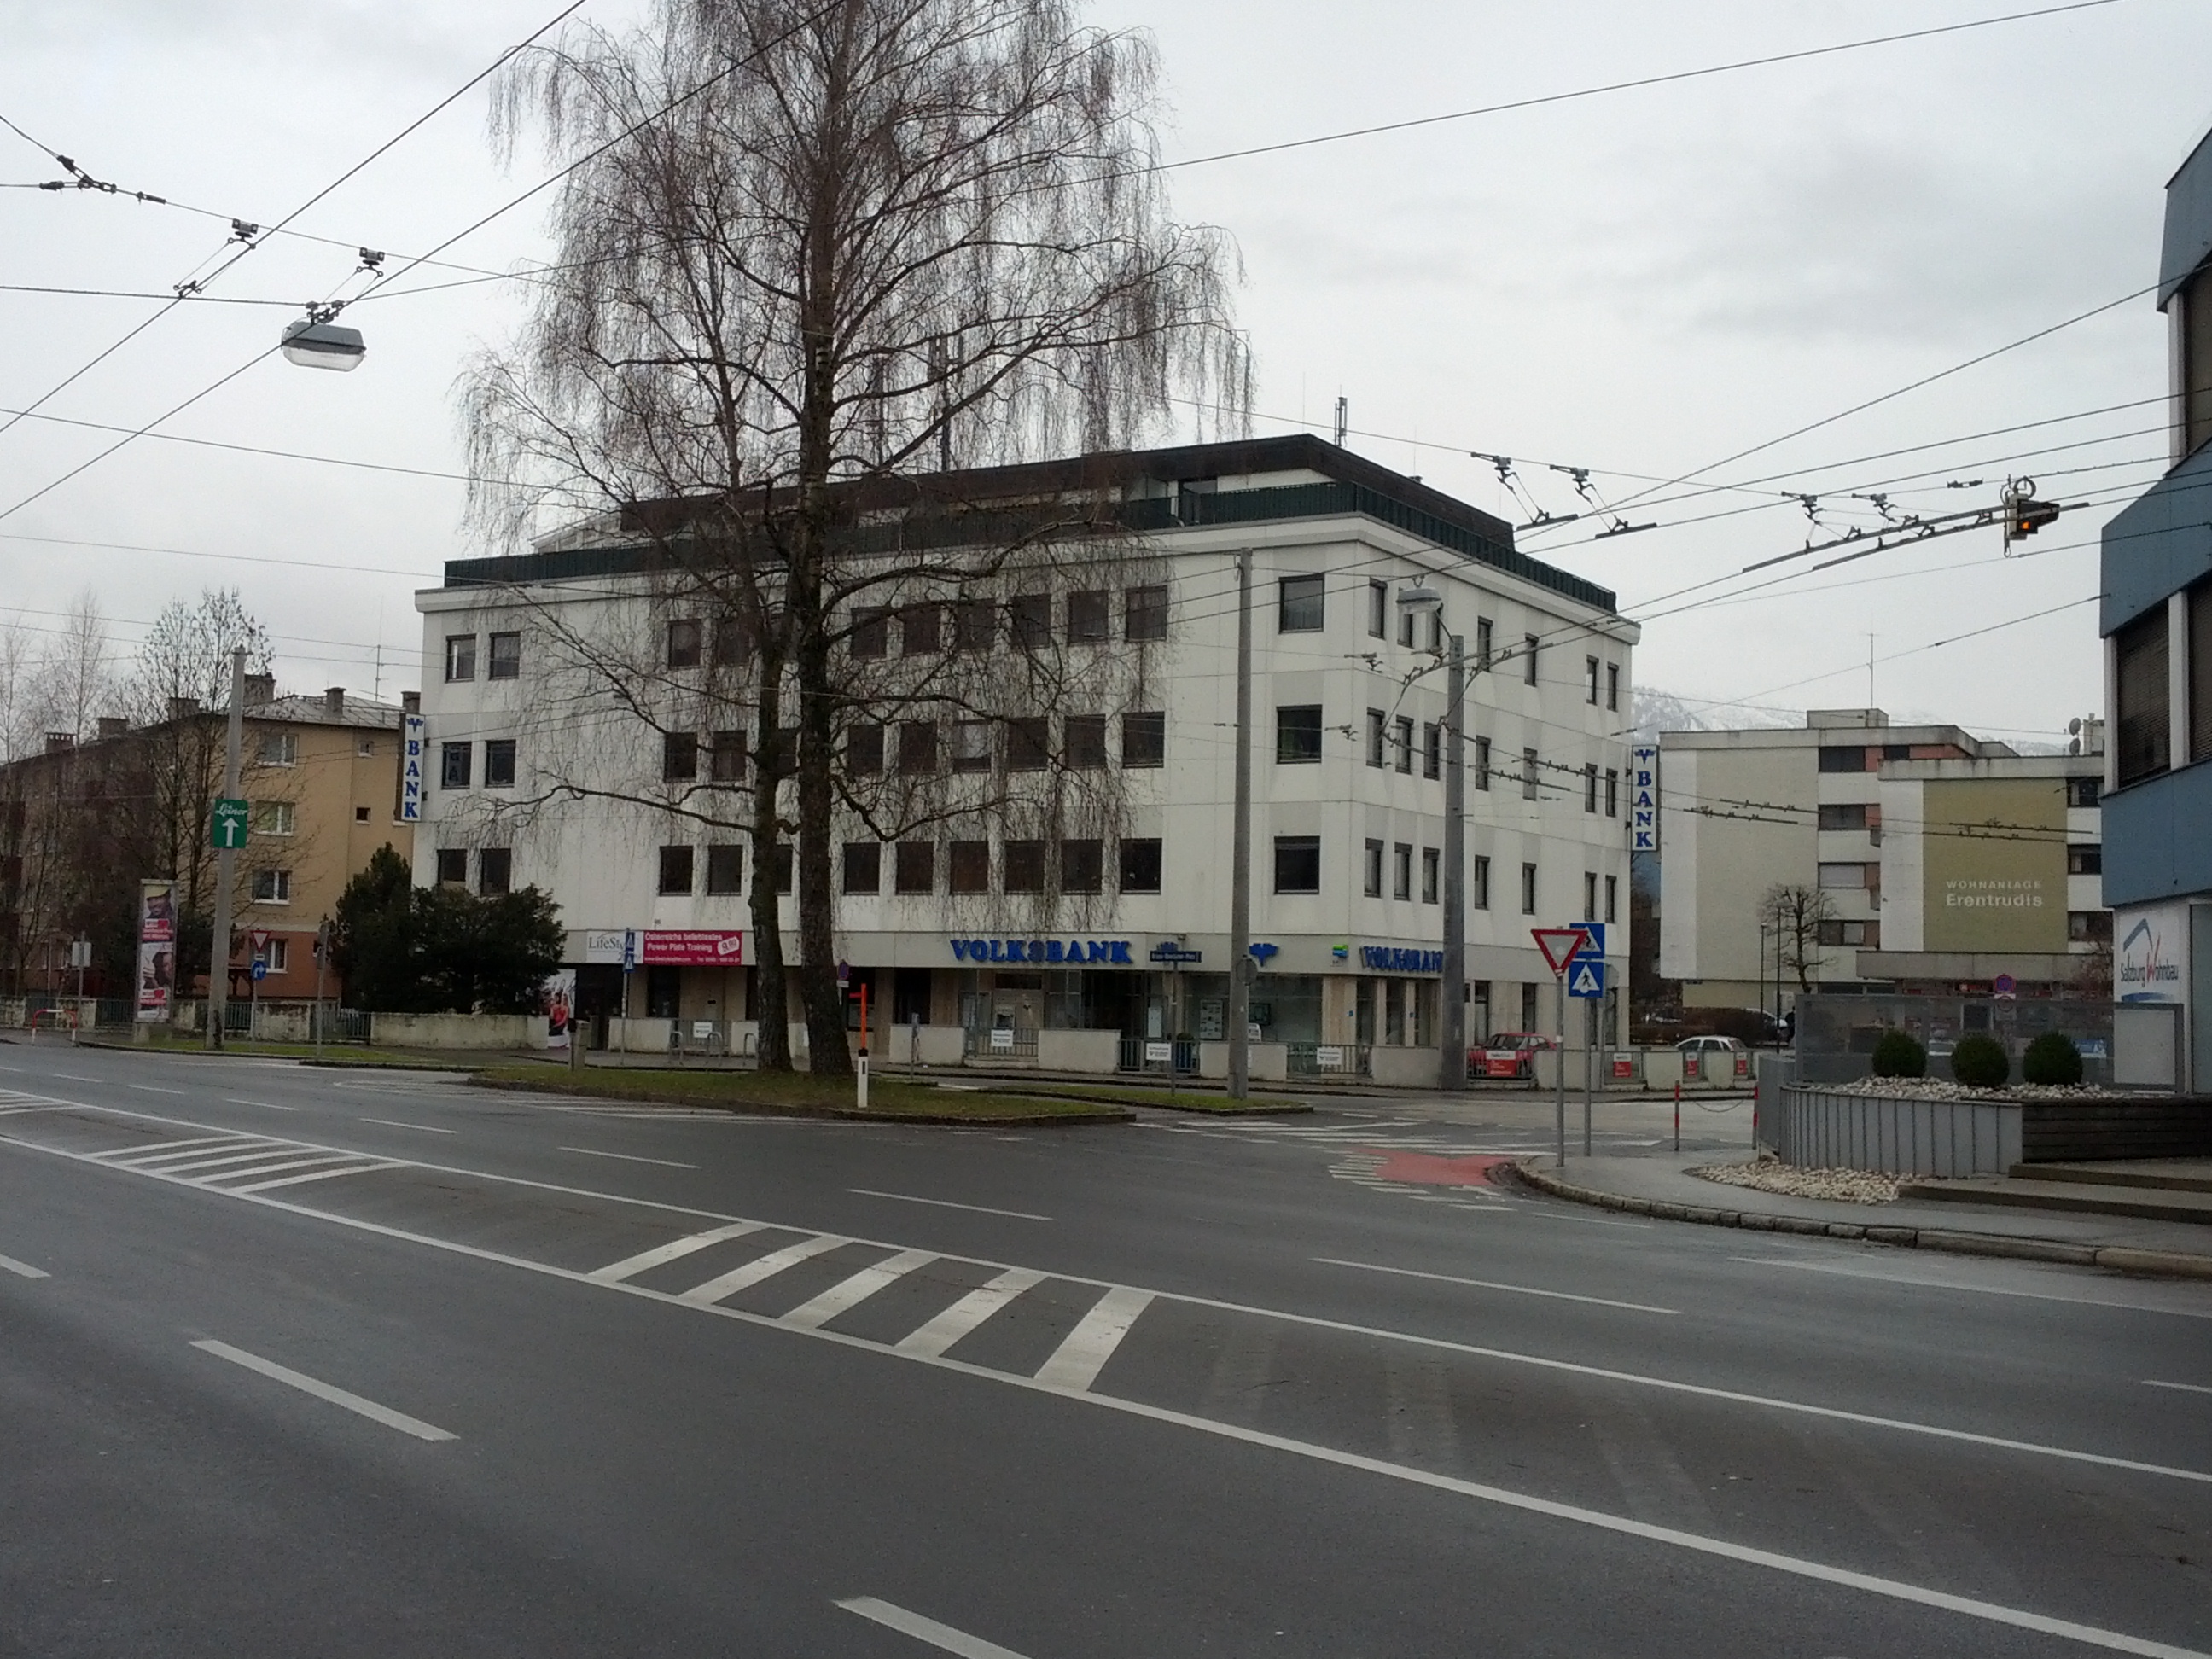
2157, 625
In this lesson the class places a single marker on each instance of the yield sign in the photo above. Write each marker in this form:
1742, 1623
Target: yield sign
1558, 944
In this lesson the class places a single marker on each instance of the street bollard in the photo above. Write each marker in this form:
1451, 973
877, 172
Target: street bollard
1678, 1117
860, 1078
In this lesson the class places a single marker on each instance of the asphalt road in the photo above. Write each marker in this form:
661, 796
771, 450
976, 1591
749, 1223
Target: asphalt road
298, 1361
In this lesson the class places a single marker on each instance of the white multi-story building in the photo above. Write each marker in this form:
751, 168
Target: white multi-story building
532, 777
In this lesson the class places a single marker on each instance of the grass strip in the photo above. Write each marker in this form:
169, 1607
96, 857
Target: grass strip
1179, 1100
799, 1094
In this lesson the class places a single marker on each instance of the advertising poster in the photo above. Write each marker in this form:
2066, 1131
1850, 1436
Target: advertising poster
695, 947
1996, 866
560, 1003
157, 948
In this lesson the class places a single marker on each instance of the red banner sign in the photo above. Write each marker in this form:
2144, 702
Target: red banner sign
693, 947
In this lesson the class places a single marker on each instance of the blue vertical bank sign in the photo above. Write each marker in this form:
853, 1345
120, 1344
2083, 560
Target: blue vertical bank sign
410, 769
1643, 798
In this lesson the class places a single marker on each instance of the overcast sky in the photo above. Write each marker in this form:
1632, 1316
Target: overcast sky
1642, 284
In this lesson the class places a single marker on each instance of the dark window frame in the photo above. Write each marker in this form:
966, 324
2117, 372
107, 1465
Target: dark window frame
676, 877
503, 655
1293, 856
1298, 741
1301, 604
726, 868
500, 755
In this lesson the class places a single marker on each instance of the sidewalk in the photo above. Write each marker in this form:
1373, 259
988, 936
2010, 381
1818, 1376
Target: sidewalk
1659, 1185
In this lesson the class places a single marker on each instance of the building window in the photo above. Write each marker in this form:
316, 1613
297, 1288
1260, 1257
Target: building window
1528, 774
2200, 649
971, 866
272, 886
1140, 865
2084, 859
1432, 864
914, 870
675, 870
2139, 658
1028, 743
1401, 744
1478, 887
1611, 792
280, 748
733, 640
1377, 731
1590, 787
971, 746
461, 657
920, 626
1090, 617
365, 748
453, 765
499, 764
2084, 792
1613, 898
1590, 665
1589, 896
1025, 866
1866, 935
726, 868
1378, 609
871, 635
496, 870
1432, 749
1082, 866
1401, 872
452, 866
1145, 613
1405, 627
1298, 862
1853, 759
917, 748
683, 642
1298, 735
1485, 649
276, 817
2194, 394
1613, 686
864, 867
864, 750
1372, 884
1028, 621
1843, 818
1844, 876
1145, 738
974, 624
1530, 645
1482, 763
278, 954
2089, 927
1436, 630
679, 757
1299, 605
1529, 1006
1086, 742
506, 657
1527, 889
361, 815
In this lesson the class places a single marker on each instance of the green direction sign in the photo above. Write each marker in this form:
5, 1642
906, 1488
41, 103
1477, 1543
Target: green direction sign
229, 824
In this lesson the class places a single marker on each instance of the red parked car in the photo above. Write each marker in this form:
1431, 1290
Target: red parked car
1508, 1054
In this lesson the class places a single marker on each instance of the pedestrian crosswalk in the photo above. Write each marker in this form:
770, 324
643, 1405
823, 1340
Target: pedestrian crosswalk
242, 1162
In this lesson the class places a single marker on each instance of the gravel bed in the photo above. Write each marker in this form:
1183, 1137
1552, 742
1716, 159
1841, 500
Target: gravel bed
1936, 1088
1767, 1174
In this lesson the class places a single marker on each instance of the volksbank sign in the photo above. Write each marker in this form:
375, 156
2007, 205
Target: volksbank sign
1396, 959
1112, 952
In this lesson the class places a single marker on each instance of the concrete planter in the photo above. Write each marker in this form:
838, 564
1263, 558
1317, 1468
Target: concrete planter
1405, 1069
1821, 1128
1078, 1051
1270, 1061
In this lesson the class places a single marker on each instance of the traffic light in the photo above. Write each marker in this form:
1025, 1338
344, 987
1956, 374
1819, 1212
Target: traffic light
2024, 517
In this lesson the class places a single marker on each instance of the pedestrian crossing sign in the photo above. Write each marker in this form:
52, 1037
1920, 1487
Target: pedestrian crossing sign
1586, 979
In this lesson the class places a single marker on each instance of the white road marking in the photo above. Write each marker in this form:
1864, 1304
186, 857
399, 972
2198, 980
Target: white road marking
277, 1167
21, 1269
630, 1158
317, 1174
394, 1123
321, 1390
1987, 1612
943, 1637
947, 1204
765, 1267
1083, 1354
2185, 1388
265, 1105
143, 1088
851, 1293
1585, 1220
675, 1249
1929, 1282
1492, 1285
77, 1076
138, 1158
194, 1164
970, 1310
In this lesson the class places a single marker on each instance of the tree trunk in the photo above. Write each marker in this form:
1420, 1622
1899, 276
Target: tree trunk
770, 1014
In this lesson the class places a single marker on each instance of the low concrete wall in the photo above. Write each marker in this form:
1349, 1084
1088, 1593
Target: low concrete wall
456, 1030
1818, 1128
285, 1022
634, 1037
1078, 1051
1405, 1069
1270, 1063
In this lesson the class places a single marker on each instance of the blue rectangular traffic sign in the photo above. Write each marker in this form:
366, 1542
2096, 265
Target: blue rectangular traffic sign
1586, 977
1595, 933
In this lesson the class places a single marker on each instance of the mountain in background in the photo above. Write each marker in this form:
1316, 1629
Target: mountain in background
1657, 711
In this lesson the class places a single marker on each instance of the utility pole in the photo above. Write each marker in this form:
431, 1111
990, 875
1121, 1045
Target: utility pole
1452, 1027
225, 859
1240, 855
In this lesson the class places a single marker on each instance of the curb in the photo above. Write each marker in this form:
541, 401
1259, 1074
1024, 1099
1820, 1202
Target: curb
2165, 1264
761, 1109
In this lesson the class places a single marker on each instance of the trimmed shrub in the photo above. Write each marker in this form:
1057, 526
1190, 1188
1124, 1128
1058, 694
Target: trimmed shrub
1980, 1062
1897, 1055
2051, 1058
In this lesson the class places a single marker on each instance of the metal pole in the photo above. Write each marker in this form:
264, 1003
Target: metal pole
225, 858
1240, 852
1589, 1063
322, 954
1561, 1070
1452, 1027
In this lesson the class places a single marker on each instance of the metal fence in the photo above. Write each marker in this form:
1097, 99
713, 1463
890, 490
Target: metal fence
1836, 1035
1329, 1059
1156, 1054
1010, 1045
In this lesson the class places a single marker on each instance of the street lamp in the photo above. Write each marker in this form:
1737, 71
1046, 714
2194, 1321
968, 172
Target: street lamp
315, 342
1421, 601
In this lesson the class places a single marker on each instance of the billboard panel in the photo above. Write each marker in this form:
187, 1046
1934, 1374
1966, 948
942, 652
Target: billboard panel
157, 948
1993, 863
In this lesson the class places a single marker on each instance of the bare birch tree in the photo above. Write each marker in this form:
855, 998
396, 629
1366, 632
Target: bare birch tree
1794, 914
805, 250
